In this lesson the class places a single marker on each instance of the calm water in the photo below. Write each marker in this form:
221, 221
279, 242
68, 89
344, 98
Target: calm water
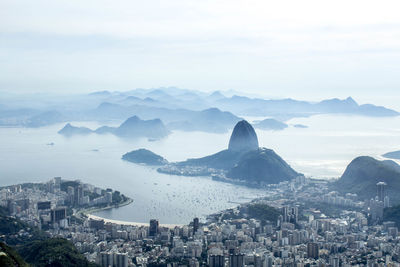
323, 150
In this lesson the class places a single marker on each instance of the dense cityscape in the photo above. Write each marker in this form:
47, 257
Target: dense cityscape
300, 223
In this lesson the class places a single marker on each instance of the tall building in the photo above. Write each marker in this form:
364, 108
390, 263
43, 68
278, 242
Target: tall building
105, 259
386, 202
195, 225
312, 250
153, 230
236, 260
78, 195
381, 191
216, 261
121, 260
58, 214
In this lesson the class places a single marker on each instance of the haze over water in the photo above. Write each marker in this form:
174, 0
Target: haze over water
322, 151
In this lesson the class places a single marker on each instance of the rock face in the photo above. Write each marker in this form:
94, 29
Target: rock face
243, 137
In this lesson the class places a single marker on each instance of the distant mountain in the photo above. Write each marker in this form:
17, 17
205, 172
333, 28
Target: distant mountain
363, 173
270, 124
209, 120
392, 155
144, 156
243, 161
178, 108
135, 127
288, 108
70, 130
131, 128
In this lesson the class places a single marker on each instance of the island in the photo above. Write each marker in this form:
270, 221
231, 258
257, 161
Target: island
144, 156
244, 162
270, 124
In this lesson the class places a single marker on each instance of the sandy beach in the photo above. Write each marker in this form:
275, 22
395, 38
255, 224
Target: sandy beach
90, 216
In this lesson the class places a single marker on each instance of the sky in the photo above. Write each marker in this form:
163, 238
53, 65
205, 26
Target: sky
310, 49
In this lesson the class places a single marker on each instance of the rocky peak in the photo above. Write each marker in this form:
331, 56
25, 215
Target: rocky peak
243, 137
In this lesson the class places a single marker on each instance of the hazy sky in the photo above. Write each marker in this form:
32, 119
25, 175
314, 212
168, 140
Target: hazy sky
300, 49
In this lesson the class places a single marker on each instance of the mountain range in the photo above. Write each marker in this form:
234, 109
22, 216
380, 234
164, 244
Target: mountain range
179, 109
131, 128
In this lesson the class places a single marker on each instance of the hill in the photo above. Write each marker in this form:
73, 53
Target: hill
262, 166
10, 258
144, 156
70, 130
133, 127
53, 252
362, 175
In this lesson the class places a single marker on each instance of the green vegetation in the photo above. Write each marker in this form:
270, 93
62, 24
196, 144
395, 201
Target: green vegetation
9, 257
16, 232
53, 252
34, 246
363, 173
263, 212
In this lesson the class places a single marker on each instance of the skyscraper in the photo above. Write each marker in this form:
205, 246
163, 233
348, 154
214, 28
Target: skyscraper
195, 225
312, 250
216, 261
236, 260
153, 230
381, 191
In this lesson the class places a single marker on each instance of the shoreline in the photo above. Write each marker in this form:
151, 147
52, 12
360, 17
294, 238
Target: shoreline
88, 211
88, 214
91, 216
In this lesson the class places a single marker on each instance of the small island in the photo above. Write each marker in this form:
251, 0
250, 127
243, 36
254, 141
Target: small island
270, 124
144, 156
300, 126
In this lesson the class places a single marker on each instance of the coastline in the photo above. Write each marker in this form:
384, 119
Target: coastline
91, 216
88, 214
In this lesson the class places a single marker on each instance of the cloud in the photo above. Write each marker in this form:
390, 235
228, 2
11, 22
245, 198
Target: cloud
290, 46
